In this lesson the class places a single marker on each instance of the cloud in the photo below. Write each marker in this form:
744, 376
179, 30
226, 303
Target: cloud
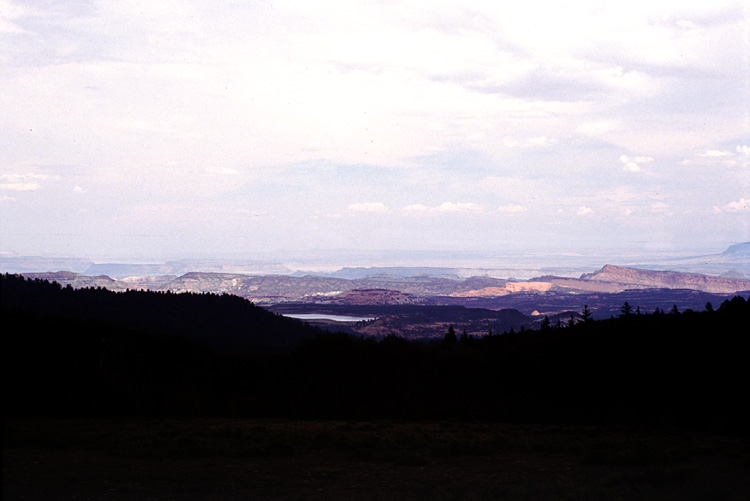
741, 205
631, 167
715, 153
7, 198
416, 208
445, 207
506, 187
222, 171
78, 190
686, 24
584, 211
9, 28
530, 142
511, 208
632, 164
373, 207
458, 207
659, 207
21, 182
305, 108
597, 128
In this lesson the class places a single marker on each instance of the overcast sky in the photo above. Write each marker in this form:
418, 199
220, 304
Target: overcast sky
137, 128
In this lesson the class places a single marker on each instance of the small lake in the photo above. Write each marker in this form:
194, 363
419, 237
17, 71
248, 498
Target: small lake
325, 316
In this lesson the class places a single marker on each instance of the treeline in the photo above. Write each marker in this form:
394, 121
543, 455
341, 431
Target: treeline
224, 322
680, 368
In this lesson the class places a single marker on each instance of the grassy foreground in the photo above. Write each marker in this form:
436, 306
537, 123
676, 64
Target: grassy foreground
204, 459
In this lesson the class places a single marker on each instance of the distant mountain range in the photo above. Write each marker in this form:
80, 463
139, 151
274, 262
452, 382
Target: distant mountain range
733, 262
400, 297
422, 306
272, 289
34, 264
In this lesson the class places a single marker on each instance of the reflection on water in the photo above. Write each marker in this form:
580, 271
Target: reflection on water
324, 316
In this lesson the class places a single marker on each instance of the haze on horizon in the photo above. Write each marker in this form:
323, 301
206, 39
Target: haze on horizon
139, 128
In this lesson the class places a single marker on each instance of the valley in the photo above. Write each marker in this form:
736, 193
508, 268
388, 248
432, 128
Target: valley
420, 303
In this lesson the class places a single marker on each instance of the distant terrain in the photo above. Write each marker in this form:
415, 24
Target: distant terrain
420, 302
95, 352
154, 394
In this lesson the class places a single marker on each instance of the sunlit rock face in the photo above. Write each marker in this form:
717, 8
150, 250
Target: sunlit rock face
667, 279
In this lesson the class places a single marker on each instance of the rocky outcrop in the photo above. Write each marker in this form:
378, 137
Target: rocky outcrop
666, 279
737, 251
508, 288
78, 281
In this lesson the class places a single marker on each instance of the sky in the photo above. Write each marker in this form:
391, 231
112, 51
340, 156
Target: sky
140, 129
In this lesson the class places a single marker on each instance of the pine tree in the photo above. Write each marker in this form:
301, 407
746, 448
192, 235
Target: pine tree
586, 314
626, 309
450, 336
546, 323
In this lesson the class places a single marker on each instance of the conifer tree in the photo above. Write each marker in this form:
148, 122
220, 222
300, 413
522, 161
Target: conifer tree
586, 314
546, 323
626, 309
450, 336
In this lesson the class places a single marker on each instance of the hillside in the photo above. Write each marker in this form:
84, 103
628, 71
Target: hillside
623, 276
224, 322
67, 352
738, 251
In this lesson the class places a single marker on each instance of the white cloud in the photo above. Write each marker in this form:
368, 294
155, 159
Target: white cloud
374, 207
458, 207
584, 211
21, 182
445, 207
633, 164
506, 187
530, 142
741, 205
659, 207
715, 154
686, 24
137, 102
222, 171
7, 198
416, 208
597, 128
78, 190
631, 167
10, 28
511, 208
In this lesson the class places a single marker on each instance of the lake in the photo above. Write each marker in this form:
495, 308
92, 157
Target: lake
325, 316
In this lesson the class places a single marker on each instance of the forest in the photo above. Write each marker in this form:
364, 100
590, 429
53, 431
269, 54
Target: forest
92, 352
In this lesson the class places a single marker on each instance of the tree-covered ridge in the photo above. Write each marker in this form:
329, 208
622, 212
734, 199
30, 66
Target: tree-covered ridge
225, 322
678, 368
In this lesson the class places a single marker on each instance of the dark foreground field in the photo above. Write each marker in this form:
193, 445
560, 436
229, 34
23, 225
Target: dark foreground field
205, 459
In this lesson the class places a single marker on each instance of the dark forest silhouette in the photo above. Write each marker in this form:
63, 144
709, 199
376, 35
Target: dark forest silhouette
95, 352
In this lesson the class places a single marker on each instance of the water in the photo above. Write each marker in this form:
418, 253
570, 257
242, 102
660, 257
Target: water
324, 316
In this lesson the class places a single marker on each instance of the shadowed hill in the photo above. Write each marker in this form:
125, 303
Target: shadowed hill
98, 352
224, 322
